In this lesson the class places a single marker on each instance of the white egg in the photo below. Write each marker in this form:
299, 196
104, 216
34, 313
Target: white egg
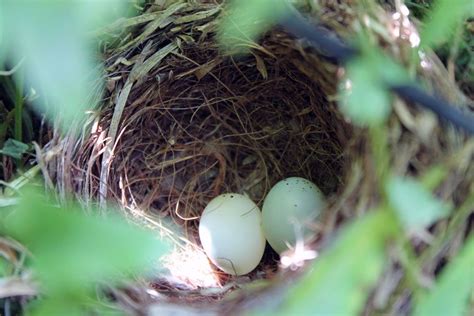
231, 233
287, 209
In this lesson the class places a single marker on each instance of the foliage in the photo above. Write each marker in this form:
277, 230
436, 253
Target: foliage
74, 252
50, 43
447, 28
364, 97
443, 19
48, 36
442, 300
415, 206
247, 20
317, 294
14, 148
356, 259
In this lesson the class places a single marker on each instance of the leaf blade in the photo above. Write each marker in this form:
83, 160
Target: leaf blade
14, 148
75, 251
442, 300
442, 20
365, 97
414, 204
247, 20
333, 287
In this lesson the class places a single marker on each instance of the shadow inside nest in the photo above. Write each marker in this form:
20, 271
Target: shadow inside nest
195, 135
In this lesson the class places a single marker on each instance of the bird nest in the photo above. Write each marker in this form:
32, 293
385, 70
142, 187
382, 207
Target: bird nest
182, 122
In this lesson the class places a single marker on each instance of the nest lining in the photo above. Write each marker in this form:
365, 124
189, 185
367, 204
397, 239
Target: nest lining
241, 125
188, 139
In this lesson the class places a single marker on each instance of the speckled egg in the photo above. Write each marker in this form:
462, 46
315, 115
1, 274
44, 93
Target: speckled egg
287, 209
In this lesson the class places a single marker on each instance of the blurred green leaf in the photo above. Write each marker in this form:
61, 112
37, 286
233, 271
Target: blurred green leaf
365, 100
414, 204
73, 251
450, 296
365, 96
70, 307
4, 267
48, 307
2, 28
96, 14
60, 61
340, 281
14, 148
247, 20
443, 19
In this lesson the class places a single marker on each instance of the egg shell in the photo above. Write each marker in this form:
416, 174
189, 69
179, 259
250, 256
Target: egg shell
231, 233
287, 208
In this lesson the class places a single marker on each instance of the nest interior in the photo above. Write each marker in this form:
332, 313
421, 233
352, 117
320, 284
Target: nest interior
182, 122
203, 123
219, 124
199, 123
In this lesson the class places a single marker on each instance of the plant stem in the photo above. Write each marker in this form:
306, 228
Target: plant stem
381, 153
18, 131
18, 128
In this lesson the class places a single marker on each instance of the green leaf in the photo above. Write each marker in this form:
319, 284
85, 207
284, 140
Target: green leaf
14, 148
71, 307
443, 19
2, 27
47, 307
247, 20
413, 203
340, 281
60, 62
73, 251
450, 296
365, 96
365, 100
4, 267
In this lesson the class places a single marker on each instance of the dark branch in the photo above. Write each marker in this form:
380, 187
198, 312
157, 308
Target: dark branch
331, 46
319, 37
443, 109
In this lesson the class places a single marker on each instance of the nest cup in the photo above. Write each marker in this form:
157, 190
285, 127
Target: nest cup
182, 122
198, 123
205, 124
